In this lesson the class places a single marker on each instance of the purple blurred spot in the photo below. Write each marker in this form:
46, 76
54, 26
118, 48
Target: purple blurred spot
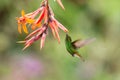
31, 66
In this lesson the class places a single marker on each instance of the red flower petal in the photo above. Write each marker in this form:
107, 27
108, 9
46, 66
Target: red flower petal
56, 31
26, 46
61, 26
38, 21
52, 28
33, 33
41, 16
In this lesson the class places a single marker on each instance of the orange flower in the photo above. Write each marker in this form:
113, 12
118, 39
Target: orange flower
28, 19
22, 22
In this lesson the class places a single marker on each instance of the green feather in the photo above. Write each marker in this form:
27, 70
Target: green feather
69, 46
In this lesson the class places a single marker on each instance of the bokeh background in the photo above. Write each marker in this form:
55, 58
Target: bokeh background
84, 19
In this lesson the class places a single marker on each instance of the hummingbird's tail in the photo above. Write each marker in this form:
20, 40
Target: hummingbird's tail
78, 55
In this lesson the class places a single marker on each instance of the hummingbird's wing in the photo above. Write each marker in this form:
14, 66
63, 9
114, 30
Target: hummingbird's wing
80, 43
76, 41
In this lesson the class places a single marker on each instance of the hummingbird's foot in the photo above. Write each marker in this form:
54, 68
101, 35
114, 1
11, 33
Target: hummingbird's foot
78, 55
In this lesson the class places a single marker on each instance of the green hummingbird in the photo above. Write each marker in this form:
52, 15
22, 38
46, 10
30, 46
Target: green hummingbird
72, 46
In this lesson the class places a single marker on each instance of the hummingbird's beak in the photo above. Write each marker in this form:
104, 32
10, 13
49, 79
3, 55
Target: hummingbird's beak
67, 36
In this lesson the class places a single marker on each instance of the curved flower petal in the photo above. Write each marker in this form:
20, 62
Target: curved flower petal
60, 3
38, 21
22, 12
55, 31
61, 26
25, 28
19, 28
34, 32
52, 28
29, 20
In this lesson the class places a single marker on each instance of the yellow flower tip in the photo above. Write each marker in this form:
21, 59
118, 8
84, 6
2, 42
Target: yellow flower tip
38, 25
30, 21
20, 41
25, 29
58, 38
66, 31
41, 47
19, 28
59, 42
26, 47
22, 12
20, 32
17, 18
26, 32
33, 27
60, 3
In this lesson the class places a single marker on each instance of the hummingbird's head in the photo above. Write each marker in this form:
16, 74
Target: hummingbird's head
68, 38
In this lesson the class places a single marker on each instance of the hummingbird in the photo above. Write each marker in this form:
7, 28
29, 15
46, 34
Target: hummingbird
73, 46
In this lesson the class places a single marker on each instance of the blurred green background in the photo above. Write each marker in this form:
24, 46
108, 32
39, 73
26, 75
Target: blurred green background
84, 19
